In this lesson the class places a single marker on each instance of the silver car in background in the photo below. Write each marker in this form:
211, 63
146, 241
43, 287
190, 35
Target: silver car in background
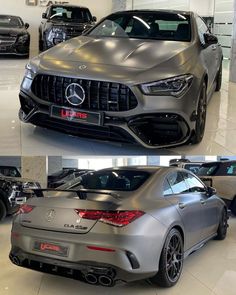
119, 224
137, 76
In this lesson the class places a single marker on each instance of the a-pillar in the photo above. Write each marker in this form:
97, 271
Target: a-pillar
35, 168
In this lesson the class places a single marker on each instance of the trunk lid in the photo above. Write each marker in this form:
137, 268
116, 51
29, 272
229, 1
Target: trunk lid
57, 212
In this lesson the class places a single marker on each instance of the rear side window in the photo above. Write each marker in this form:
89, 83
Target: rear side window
167, 189
120, 180
177, 183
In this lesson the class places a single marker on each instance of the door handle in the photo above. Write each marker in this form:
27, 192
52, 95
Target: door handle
203, 202
182, 205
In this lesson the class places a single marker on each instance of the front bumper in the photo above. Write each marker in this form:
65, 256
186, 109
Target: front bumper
15, 49
157, 122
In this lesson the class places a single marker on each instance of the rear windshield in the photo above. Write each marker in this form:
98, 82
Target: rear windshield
145, 25
70, 14
10, 21
117, 180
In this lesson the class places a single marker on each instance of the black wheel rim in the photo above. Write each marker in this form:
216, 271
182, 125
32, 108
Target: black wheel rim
202, 112
174, 258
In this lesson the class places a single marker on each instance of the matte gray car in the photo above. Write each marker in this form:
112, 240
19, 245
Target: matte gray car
138, 76
120, 224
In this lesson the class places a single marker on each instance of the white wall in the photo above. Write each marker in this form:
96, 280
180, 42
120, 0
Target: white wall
32, 14
202, 7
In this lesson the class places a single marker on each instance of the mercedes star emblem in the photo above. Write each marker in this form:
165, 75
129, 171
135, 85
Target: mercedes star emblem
75, 94
50, 215
83, 67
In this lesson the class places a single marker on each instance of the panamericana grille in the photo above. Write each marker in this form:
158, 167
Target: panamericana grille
6, 40
100, 95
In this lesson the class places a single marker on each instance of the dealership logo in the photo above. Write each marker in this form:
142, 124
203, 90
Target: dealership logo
50, 215
75, 94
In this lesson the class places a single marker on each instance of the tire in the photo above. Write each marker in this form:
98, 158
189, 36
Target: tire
223, 226
3, 211
201, 116
171, 260
219, 79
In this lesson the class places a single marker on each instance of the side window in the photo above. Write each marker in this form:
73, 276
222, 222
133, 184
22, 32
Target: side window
177, 183
202, 29
195, 186
166, 188
227, 169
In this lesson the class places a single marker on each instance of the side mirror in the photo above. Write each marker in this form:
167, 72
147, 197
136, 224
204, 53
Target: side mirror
211, 191
27, 26
94, 19
44, 15
210, 39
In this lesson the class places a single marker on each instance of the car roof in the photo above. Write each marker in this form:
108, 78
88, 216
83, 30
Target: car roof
218, 162
151, 169
68, 5
156, 10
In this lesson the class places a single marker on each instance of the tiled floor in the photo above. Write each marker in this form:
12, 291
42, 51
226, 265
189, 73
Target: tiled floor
210, 271
18, 138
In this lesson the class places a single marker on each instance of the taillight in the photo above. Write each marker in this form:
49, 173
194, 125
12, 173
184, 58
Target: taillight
115, 218
25, 209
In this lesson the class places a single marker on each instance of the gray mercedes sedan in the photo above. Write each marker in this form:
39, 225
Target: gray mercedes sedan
119, 224
138, 76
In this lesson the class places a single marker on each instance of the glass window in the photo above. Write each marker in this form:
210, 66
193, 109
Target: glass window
202, 29
10, 21
227, 169
166, 188
9, 171
208, 169
121, 180
194, 184
193, 167
145, 25
70, 14
177, 183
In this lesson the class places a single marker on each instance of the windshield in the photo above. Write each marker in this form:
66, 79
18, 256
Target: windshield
80, 15
117, 180
10, 21
145, 25
207, 169
9, 171
193, 167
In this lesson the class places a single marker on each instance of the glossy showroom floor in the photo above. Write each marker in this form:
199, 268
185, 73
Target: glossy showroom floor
210, 271
17, 138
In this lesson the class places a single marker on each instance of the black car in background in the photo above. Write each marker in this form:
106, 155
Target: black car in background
14, 37
65, 175
63, 22
10, 171
14, 192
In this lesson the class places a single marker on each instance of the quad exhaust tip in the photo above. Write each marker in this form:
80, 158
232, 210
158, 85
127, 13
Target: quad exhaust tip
15, 260
91, 279
105, 281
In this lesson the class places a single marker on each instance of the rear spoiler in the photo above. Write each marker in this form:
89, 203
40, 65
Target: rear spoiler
81, 193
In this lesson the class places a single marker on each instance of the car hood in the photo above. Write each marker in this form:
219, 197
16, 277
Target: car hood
11, 31
121, 58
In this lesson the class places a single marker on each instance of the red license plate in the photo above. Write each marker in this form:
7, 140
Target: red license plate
76, 115
50, 248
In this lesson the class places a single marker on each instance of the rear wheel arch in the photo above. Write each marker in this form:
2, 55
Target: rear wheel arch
179, 228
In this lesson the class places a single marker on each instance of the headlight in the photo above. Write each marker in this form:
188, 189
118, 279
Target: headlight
175, 86
23, 38
30, 185
29, 73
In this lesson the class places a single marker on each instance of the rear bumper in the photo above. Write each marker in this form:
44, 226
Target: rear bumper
74, 270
